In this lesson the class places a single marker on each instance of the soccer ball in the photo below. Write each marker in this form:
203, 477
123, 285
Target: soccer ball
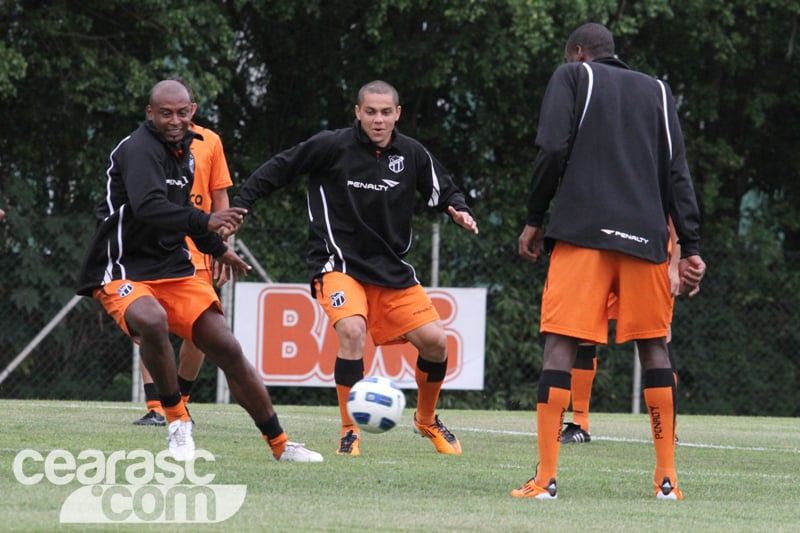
376, 404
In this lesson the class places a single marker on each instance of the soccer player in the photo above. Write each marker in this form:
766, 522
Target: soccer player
582, 379
209, 193
362, 186
627, 174
585, 367
137, 266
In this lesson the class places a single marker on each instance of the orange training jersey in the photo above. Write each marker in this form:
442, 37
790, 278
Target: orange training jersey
210, 174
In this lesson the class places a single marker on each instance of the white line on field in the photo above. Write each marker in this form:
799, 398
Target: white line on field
682, 444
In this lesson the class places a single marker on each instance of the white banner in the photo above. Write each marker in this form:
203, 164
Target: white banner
286, 335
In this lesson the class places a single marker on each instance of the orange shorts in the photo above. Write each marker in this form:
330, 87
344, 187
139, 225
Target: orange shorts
184, 300
577, 295
390, 313
205, 274
613, 309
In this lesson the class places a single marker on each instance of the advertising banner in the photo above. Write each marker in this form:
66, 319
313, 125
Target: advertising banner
288, 338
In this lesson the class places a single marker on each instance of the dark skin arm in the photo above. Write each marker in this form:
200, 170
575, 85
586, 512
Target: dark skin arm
226, 222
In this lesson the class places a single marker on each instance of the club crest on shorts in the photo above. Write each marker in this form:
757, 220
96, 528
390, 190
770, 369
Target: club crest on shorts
337, 299
124, 290
396, 164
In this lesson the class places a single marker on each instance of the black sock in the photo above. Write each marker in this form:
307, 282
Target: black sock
347, 372
436, 371
271, 428
172, 400
151, 392
552, 379
185, 386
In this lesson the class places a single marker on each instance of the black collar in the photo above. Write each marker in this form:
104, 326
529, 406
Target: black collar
611, 60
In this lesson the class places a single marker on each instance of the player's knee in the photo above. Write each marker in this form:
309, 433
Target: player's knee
433, 347
147, 318
653, 353
430, 340
351, 330
218, 345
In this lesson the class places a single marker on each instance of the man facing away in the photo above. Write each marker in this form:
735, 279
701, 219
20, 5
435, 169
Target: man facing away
611, 150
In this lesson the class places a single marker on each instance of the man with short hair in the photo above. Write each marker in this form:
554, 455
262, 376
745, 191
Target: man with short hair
611, 149
585, 367
362, 187
209, 193
137, 266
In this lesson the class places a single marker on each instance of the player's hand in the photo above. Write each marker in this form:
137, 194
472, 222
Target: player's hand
222, 273
691, 270
463, 219
226, 222
674, 280
237, 266
529, 245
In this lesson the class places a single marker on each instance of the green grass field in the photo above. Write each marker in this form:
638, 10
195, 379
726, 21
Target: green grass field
737, 473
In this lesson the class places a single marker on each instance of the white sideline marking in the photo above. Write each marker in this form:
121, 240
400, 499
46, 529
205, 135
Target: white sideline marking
681, 444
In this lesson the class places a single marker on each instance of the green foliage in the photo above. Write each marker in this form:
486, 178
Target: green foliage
12, 68
75, 77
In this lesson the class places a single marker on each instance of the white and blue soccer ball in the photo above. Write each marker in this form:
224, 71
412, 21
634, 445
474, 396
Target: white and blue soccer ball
376, 404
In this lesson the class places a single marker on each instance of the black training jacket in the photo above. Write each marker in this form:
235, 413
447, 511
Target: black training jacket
145, 214
611, 152
360, 200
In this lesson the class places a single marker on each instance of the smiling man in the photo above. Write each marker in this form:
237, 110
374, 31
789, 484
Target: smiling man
362, 187
138, 267
171, 110
378, 113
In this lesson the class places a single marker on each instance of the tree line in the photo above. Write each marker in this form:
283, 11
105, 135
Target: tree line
75, 78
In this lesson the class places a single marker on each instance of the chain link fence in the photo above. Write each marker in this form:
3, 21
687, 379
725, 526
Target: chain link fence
737, 343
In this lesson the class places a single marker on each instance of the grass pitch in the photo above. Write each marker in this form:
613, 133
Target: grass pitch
737, 473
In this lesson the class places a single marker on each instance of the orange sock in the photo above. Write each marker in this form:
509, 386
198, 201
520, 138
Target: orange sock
581, 396
177, 412
346, 373
185, 398
342, 393
278, 444
583, 373
429, 377
659, 390
155, 405
553, 401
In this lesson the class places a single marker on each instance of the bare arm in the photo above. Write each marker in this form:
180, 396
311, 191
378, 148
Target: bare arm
674, 260
220, 200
